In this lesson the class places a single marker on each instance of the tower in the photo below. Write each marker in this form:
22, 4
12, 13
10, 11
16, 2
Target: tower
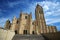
40, 21
8, 24
25, 23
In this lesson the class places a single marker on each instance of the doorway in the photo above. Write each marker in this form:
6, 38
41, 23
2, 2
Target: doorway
33, 32
25, 32
15, 31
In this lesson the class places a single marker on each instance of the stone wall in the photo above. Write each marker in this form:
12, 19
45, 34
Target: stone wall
6, 34
25, 23
52, 36
51, 29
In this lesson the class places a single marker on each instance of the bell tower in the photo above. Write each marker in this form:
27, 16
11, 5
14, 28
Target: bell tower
40, 20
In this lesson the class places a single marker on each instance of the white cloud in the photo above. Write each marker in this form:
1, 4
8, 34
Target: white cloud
51, 10
48, 13
12, 4
15, 3
53, 20
46, 8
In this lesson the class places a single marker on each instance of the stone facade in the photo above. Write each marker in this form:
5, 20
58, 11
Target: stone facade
6, 34
25, 25
51, 29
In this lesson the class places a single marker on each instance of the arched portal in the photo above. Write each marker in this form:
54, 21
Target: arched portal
33, 32
25, 32
15, 31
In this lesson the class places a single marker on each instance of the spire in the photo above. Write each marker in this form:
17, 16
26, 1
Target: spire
31, 14
8, 21
21, 12
14, 18
38, 6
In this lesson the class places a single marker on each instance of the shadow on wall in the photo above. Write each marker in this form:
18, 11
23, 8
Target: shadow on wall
52, 36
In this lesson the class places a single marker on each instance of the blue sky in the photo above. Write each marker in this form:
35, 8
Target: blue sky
10, 8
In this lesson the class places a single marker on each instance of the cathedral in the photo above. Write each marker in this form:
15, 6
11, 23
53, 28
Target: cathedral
25, 25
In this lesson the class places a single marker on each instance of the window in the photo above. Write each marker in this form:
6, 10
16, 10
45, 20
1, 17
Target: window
25, 32
25, 17
39, 12
17, 22
9, 21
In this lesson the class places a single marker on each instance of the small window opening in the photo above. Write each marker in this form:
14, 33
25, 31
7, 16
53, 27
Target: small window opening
25, 17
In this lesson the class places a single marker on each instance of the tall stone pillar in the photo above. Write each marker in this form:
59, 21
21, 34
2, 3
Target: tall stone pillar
30, 22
